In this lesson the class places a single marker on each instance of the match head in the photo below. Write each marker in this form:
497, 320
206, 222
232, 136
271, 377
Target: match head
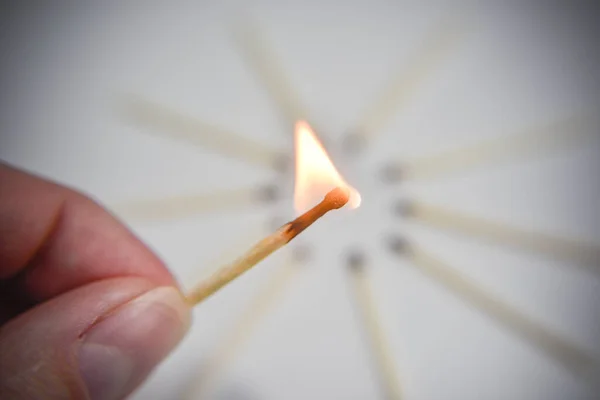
268, 193
337, 198
403, 208
355, 261
398, 245
354, 142
392, 173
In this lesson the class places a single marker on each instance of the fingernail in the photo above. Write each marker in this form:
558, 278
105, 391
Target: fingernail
123, 348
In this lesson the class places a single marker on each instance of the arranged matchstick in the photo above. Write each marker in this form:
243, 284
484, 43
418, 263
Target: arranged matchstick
192, 130
570, 356
405, 82
266, 65
368, 312
182, 206
576, 251
559, 134
335, 199
257, 308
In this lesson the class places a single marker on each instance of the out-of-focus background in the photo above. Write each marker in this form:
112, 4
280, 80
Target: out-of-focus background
176, 115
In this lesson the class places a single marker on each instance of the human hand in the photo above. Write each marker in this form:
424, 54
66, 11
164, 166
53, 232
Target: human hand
86, 310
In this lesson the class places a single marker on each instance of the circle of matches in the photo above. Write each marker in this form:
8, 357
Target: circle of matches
532, 142
333, 200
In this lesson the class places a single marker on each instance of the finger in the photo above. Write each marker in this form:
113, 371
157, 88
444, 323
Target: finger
55, 239
98, 341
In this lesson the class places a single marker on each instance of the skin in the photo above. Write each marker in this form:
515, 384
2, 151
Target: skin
69, 275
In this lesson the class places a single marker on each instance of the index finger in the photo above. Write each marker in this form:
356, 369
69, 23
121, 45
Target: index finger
53, 239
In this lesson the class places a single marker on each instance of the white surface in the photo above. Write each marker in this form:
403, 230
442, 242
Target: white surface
65, 68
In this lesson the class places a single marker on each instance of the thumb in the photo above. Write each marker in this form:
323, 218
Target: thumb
99, 341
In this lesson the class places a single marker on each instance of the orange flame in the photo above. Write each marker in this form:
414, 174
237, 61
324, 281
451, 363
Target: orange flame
315, 173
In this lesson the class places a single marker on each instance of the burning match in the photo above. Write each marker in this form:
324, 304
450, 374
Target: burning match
335, 199
314, 172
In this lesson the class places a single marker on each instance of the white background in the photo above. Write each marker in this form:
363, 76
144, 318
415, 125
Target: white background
64, 68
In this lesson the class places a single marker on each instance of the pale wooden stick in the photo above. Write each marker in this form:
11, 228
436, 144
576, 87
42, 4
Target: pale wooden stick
228, 273
185, 205
195, 131
269, 70
242, 330
556, 135
361, 286
572, 250
438, 44
236, 247
568, 354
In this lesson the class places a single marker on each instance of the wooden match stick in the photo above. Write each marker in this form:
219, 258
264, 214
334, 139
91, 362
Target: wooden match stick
368, 311
406, 81
555, 135
570, 356
335, 199
270, 71
243, 328
237, 245
576, 251
181, 206
197, 132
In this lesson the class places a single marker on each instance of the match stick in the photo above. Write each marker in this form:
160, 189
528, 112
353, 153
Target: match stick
569, 355
364, 297
556, 135
258, 307
335, 199
270, 71
182, 206
195, 131
576, 251
406, 81
237, 244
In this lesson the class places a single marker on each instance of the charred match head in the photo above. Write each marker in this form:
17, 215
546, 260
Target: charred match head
268, 193
398, 245
403, 208
337, 198
393, 173
355, 261
354, 142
